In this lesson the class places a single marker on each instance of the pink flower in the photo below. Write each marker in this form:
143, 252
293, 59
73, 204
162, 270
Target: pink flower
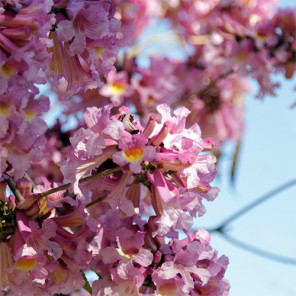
22, 130
184, 264
134, 16
133, 152
117, 87
84, 46
197, 264
151, 89
86, 21
24, 42
36, 250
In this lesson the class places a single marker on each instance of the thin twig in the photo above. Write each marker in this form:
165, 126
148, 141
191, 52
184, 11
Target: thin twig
101, 198
83, 180
201, 91
235, 161
258, 251
253, 204
221, 229
14, 190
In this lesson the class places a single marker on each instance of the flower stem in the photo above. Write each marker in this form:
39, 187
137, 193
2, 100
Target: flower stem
253, 204
96, 200
83, 180
14, 190
203, 90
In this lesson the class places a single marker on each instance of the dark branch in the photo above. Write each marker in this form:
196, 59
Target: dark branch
222, 228
203, 90
83, 180
14, 190
258, 251
96, 200
254, 204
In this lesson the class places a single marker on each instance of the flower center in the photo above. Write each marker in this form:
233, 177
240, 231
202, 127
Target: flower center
117, 88
168, 290
29, 114
7, 70
26, 264
4, 109
99, 51
133, 154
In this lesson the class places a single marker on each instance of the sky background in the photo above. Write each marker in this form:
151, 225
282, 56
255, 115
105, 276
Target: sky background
267, 160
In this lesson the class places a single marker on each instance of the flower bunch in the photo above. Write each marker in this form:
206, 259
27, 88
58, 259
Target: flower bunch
158, 187
124, 225
21, 129
136, 172
84, 45
24, 44
41, 248
228, 42
63, 42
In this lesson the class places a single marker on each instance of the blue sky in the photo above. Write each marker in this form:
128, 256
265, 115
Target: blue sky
267, 160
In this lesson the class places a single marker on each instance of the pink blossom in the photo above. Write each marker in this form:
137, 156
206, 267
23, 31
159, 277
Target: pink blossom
134, 16
84, 46
23, 128
117, 87
133, 152
24, 51
152, 89
198, 266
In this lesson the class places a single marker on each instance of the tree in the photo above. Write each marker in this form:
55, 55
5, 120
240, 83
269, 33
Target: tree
117, 193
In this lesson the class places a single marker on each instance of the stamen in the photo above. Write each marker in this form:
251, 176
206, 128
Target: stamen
150, 126
162, 134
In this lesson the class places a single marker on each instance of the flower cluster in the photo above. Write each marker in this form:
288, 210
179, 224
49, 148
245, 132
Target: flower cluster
41, 250
165, 153
84, 45
229, 41
161, 180
136, 172
24, 44
251, 38
21, 129
69, 43
124, 226
140, 265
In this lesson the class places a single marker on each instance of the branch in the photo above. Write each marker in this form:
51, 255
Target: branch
253, 204
96, 200
258, 251
83, 180
235, 161
14, 190
201, 91
222, 228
